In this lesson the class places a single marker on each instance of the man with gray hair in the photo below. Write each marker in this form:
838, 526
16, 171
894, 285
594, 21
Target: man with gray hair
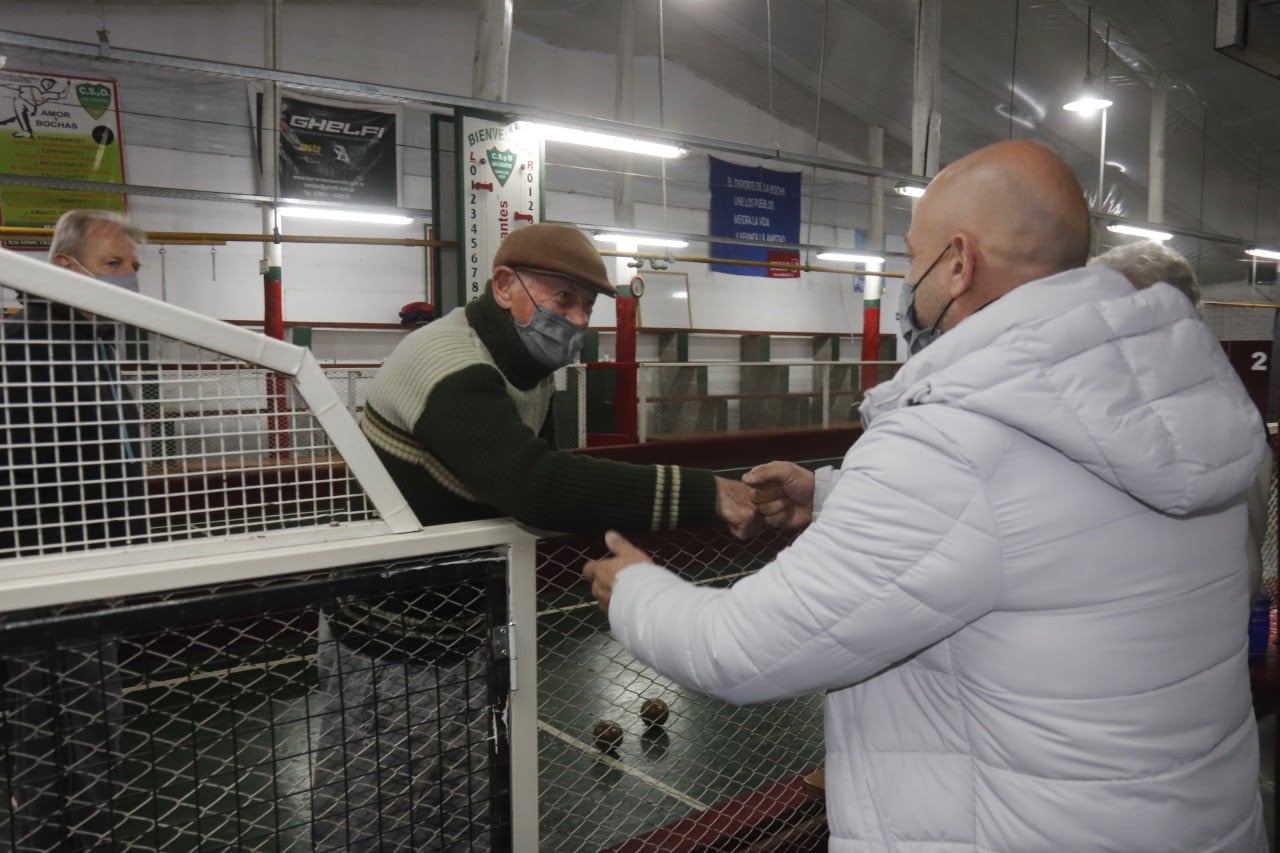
98, 243
71, 479
1145, 263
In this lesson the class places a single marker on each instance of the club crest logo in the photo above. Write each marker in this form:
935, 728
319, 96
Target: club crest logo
94, 97
502, 163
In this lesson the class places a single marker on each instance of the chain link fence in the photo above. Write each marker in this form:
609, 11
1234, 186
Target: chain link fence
617, 770
241, 718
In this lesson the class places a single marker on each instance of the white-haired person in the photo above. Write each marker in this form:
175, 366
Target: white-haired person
1145, 263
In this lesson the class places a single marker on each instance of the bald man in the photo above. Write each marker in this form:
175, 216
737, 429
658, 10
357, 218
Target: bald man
1022, 594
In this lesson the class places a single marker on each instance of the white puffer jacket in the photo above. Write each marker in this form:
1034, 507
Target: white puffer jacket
1023, 594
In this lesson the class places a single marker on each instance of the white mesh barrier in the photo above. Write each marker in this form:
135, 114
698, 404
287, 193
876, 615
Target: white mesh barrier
129, 422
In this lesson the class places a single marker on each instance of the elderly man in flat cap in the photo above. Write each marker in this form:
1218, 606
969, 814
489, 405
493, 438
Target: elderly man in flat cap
459, 414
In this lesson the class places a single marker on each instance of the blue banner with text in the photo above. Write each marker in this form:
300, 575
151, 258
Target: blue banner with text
757, 204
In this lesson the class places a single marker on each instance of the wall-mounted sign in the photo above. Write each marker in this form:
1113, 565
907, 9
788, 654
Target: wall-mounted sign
499, 190
757, 204
54, 126
339, 151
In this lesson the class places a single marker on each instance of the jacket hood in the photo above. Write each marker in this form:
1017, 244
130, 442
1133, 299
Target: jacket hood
1129, 384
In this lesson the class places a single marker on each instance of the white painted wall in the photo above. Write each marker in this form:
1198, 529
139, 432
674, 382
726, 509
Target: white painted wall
429, 48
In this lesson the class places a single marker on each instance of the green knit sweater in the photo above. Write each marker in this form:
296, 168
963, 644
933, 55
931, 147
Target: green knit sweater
457, 413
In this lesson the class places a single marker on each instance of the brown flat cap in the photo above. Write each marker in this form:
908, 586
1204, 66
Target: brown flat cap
556, 250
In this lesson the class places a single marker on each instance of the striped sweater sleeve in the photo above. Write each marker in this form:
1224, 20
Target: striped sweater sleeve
472, 427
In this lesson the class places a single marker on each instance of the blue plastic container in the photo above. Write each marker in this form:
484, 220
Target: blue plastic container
1260, 626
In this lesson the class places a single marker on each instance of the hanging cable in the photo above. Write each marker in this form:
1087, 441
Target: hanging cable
662, 111
1204, 162
1257, 195
1013, 64
1088, 41
817, 121
768, 27
1106, 53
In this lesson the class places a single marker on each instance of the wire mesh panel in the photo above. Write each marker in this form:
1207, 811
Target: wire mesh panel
629, 760
112, 437
130, 422
331, 711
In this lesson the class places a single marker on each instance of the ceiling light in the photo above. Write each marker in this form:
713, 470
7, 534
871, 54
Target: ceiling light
641, 240
1087, 104
1119, 167
912, 190
592, 139
337, 215
1135, 231
869, 260
1269, 254
680, 294
1089, 99
1092, 95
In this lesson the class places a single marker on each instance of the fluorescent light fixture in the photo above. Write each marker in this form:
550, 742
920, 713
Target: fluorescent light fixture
593, 139
680, 294
1269, 254
869, 260
911, 190
1118, 166
1087, 104
1135, 231
641, 240
336, 215
1089, 100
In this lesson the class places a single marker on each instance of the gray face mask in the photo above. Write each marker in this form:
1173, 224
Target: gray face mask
551, 339
916, 336
125, 280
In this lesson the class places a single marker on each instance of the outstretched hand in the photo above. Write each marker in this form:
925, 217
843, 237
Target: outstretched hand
783, 493
736, 507
601, 573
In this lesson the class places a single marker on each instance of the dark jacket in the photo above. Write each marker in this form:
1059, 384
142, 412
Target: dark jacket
70, 471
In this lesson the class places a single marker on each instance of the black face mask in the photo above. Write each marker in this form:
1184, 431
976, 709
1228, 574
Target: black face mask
916, 336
